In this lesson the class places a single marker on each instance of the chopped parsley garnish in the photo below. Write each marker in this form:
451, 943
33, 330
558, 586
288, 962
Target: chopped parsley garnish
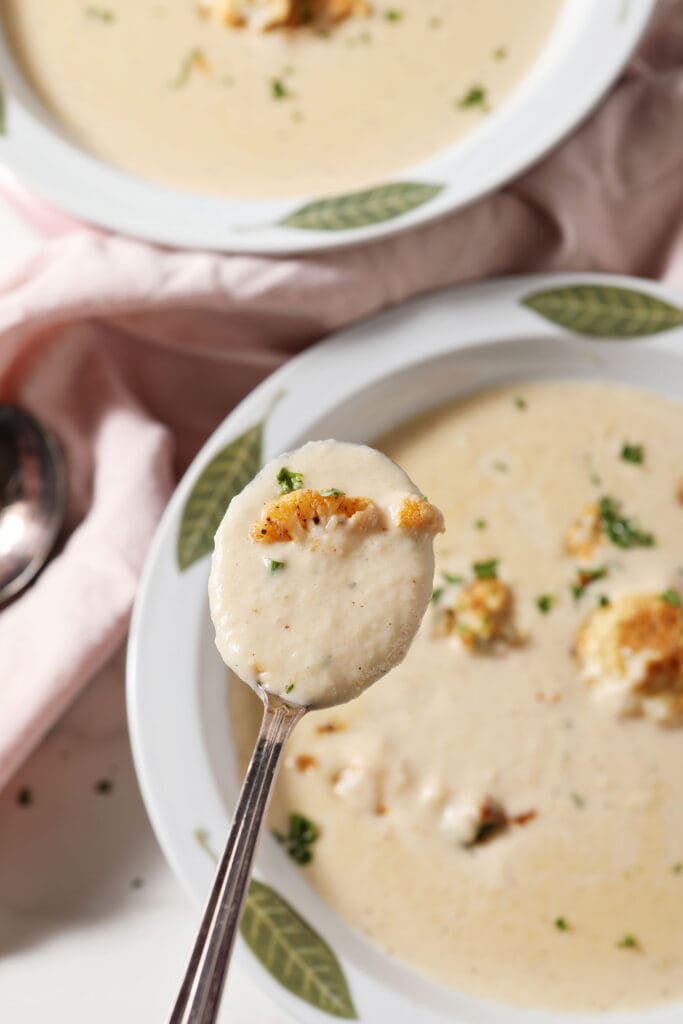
436, 594
25, 797
289, 687
634, 453
393, 14
628, 942
273, 565
621, 530
520, 403
500, 465
331, 492
480, 524
195, 59
584, 578
289, 480
102, 14
451, 578
500, 53
677, 868
474, 97
545, 602
671, 597
561, 924
578, 800
278, 89
486, 570
603, 601
301, 835
104, 787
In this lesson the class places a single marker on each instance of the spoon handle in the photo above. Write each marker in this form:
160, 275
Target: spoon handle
200, 992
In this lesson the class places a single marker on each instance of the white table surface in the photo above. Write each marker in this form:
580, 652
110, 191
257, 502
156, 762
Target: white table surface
94, 928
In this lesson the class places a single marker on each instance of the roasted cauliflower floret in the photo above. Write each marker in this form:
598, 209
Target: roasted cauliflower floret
585, 533
483, 617
472, 822
269, 14
417, 514
631, 654
292, 515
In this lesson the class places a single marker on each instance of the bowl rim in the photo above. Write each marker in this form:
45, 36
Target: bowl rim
481, 317
589, 46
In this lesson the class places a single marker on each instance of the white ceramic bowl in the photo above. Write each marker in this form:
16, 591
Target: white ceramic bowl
589, 45
355, 386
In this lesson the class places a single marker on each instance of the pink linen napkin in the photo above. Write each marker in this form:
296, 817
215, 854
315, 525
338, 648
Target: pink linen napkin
133, 355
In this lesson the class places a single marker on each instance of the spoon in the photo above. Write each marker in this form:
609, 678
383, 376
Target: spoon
32, 498
202, 986
365, 563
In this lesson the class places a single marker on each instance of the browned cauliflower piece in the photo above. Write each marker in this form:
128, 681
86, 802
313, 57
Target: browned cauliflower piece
484, 615
584, 535
472, 822
269, 14
417, 514
631, 654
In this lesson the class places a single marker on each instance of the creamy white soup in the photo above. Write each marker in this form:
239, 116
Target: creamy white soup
503, 811
321, 573
190, 102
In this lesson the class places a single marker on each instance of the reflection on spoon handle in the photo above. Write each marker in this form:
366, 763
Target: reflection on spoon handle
200, 993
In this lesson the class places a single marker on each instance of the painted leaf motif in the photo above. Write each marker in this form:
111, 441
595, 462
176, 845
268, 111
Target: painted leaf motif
224, 477
358, 209
603, 311
294, 953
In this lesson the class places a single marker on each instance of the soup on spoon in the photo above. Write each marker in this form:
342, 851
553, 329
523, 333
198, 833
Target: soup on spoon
321, 573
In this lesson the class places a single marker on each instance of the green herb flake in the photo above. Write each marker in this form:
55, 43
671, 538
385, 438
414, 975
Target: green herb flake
671, 597
302, 833
273, 565
289, 480
561, 924
584, 578
500, 465
452, 578
393, 14
545, 603
486, 570
578, 800
475, 97
480, 524
634, 453
103, 14
193, 60
436, 594
500, 53
137, 883
278, 89
104, 787
603, 601
677, 868
628, 942
622, 531
289, 687
520, 403
331, 492
25, 797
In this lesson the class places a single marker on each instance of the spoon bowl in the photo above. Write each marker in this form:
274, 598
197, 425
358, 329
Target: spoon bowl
32, 498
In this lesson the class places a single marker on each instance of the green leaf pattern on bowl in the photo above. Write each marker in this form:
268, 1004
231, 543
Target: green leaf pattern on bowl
218, 483
289, 948
605, 311
360, 209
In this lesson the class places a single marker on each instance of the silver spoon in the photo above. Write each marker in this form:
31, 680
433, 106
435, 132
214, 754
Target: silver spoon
32, 498
200, 992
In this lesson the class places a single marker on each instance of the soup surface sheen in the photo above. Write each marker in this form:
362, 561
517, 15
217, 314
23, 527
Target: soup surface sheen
187, 102
577, 904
